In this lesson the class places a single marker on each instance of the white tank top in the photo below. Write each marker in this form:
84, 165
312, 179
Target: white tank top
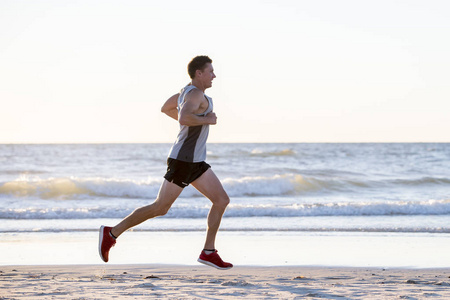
190, 145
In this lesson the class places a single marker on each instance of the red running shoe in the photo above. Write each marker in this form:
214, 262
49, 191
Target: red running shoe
214, 260
106, 241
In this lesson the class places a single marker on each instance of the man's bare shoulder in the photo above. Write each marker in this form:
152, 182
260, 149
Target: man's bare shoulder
195, 94
196, 97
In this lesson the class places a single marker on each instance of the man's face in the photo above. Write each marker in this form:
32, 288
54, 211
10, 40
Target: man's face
207, 75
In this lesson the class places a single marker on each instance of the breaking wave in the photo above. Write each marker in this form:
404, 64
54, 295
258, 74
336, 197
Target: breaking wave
265, 153
108, 210
250, 186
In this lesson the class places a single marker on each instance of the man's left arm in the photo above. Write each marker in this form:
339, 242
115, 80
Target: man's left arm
170, 107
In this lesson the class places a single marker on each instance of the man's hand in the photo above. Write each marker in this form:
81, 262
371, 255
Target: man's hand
212, 118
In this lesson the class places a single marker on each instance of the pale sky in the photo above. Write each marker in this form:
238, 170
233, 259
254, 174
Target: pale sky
287, 71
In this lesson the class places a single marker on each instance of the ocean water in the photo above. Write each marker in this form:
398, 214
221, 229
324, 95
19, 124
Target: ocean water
274, 188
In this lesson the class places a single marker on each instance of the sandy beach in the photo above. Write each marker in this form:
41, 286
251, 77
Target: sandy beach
202, 282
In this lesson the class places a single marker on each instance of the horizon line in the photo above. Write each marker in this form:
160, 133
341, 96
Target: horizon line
304, 142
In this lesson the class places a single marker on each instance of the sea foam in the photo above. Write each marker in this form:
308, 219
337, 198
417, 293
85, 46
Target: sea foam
247, 186
65, 210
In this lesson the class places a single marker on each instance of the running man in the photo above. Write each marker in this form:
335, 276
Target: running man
186, 165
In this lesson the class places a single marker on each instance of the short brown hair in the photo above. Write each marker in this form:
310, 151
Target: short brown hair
198, 63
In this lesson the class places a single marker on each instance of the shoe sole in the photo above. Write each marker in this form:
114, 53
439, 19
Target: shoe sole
205, 262
100, 240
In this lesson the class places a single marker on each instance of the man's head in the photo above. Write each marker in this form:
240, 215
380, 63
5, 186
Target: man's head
198, 63
201, 71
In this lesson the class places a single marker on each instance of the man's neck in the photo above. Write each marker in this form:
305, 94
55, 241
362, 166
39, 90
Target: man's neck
198, 85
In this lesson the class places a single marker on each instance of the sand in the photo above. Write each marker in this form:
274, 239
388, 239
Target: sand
202, 282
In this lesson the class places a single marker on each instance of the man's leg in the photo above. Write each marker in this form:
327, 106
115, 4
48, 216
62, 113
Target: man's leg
209, 185
167, 195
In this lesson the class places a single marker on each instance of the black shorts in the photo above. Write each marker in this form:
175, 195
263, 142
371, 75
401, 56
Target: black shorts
183, 173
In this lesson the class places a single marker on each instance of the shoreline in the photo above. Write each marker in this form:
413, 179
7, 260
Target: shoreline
334, 249
202, 282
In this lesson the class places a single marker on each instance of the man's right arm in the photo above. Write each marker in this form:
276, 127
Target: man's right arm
192, 107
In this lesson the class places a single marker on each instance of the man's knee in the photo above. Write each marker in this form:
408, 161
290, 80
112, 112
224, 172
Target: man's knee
161, 209
222, 201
